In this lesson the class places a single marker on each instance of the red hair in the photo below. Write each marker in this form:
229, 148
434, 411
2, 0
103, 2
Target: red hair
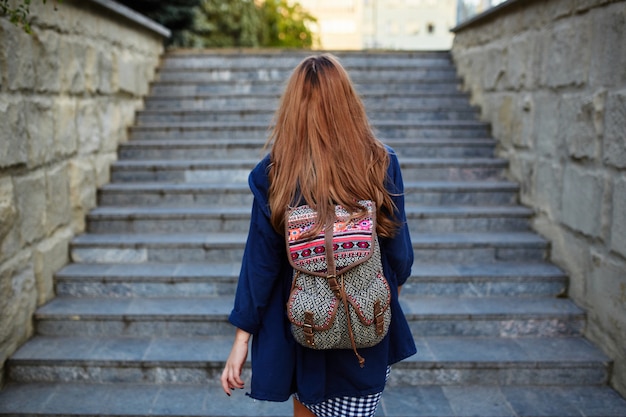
323, 150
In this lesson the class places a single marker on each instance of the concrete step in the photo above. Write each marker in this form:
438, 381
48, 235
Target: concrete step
228, 247
358, 74
180, 87
148, 117
484, 193
148, 280
212, 280
434, 99
126, 399
446, 361
222, 171
424, 219
254, 148
384, 130
349, 60
208, 316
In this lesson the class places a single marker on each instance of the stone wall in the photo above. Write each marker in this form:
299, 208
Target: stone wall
550, 77
68, 92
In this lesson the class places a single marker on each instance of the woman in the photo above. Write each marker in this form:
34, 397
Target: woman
323, 153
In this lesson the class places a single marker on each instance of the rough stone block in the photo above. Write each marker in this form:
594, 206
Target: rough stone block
571, 253
73, 57
127, 74
494, 73
618, 220
65, 130
106, 62
607, 314
557, 9
608, 47
48, 257
581, 124
581, 202
521, 52
17, 285
8, 211
503, 116
102, 164
540, 41
58, 197
20, 67
82, 190
522, 132
522, 169
40, 131
4, 27
566, 57
13, 137
548, 185
91, 69
48, 66
583, 5
615, 130
30, 193
548, 142
11, 243
88, 127
112, 126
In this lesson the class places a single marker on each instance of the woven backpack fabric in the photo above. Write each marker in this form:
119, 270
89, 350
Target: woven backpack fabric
339, 297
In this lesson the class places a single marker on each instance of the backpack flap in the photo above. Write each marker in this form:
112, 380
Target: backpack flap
352, 240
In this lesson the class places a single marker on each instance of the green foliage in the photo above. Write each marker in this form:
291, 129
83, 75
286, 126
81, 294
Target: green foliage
286, 25
231, 23
176, 15
226, 24
18, 15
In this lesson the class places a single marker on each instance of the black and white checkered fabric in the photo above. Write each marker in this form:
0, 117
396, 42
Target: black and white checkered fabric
348, 406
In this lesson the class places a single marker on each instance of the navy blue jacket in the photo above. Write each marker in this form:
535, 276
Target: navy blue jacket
280, 366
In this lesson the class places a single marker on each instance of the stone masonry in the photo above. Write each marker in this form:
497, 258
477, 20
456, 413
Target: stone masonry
550, 77
139, 322
68, 93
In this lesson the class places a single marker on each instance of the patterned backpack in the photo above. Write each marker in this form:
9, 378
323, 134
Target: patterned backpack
339, 297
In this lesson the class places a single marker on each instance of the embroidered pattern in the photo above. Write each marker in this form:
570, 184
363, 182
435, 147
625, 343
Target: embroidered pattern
357, 258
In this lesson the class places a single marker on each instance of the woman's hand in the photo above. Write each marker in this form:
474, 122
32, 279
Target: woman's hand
231, 377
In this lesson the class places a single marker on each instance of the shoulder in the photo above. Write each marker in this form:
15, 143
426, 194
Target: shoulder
393, 159
394, 175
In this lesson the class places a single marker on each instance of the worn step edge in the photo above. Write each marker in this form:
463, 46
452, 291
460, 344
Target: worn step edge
218, 308
462, 352
229, 143
186, 271
238, 213
237, 240
197, 164
399, 124
124, 399
364, 96
445, 186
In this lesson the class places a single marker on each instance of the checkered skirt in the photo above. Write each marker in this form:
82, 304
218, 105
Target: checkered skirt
348, 406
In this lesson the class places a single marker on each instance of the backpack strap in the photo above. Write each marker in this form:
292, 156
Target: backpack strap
338, 286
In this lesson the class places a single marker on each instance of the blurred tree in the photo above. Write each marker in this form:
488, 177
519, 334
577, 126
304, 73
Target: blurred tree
176, 15
286, 25
230, 23
234, 23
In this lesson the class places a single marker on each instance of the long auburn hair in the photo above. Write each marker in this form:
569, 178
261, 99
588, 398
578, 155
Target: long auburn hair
323, 150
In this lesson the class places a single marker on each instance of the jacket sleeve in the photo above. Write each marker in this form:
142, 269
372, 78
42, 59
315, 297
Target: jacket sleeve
398, 249
262, 263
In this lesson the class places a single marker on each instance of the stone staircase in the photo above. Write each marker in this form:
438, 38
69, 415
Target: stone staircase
139, 325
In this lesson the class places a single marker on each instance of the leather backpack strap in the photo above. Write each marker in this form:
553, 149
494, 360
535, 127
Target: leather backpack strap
338, 286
